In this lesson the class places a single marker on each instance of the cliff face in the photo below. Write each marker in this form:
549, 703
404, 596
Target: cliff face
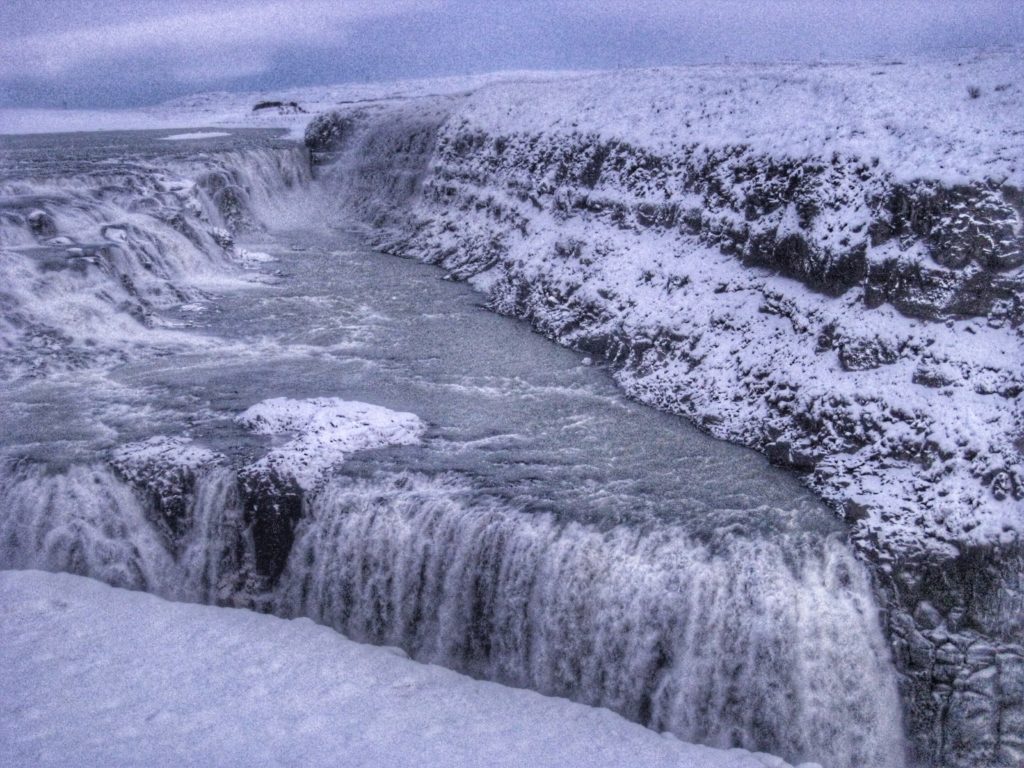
823, 264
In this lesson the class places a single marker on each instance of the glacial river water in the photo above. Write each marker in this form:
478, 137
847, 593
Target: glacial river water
546, 533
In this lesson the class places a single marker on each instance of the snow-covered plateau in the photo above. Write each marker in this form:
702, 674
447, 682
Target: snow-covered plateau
824, 263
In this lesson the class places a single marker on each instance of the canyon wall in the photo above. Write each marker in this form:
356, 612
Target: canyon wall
823, 264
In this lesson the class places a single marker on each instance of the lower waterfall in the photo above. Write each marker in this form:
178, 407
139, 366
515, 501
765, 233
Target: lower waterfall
770, 644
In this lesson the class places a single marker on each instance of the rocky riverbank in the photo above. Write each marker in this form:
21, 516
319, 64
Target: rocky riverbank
821, 263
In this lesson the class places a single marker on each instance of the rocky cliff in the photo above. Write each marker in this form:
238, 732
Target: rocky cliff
823, 263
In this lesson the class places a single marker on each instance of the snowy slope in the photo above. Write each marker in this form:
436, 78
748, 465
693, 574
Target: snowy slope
825, 263
917, 118
238, 109
96, 676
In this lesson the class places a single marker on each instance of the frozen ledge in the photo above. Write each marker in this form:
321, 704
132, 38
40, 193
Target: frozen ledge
195, 135
325, 429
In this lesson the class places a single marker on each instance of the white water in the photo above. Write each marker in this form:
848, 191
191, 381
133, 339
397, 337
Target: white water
548, 534
747, 642
760, 643
93, 248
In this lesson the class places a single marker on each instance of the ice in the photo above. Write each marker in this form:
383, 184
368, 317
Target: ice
195, 135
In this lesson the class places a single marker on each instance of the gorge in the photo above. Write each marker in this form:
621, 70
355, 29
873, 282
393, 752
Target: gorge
220, 388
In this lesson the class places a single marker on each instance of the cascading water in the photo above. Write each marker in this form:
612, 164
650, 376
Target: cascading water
735, 642
91, 252
87, 521
546, 533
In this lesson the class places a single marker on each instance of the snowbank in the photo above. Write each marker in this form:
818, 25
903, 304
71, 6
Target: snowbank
919, 118
196, 135
95, 676
327, 429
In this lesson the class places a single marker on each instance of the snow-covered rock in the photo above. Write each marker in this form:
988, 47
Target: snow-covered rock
166, 468
254, 505
96, 676
319, 433
325, 430
824, 263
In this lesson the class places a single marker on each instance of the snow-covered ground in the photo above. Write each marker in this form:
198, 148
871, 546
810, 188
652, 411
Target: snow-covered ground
916, 118
291, 108
325, 430
196, 135
97, 676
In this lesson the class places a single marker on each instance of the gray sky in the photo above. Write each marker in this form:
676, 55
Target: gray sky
106, 53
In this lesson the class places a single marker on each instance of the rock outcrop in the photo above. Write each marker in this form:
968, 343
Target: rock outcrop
844, 294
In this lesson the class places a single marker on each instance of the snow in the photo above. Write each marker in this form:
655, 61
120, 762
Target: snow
18, 121
917, 117
195, 135
326, 430
161, 452
235, 110
97, 676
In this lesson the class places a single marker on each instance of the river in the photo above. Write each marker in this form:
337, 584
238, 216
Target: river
546, 532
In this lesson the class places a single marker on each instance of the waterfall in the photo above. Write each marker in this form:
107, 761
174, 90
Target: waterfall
87, 521
764, 639
766, 643
82, 521
374, 166
88, 257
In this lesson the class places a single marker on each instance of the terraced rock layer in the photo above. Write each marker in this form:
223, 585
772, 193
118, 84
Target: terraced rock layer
848, 303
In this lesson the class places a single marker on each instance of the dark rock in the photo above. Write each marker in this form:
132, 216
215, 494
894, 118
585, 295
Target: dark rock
273, 507
41, 224
281, 107
785, 454
866, 353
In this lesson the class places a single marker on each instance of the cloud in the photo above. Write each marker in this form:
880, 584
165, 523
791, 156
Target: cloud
197, 45
92, 53
779, 29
